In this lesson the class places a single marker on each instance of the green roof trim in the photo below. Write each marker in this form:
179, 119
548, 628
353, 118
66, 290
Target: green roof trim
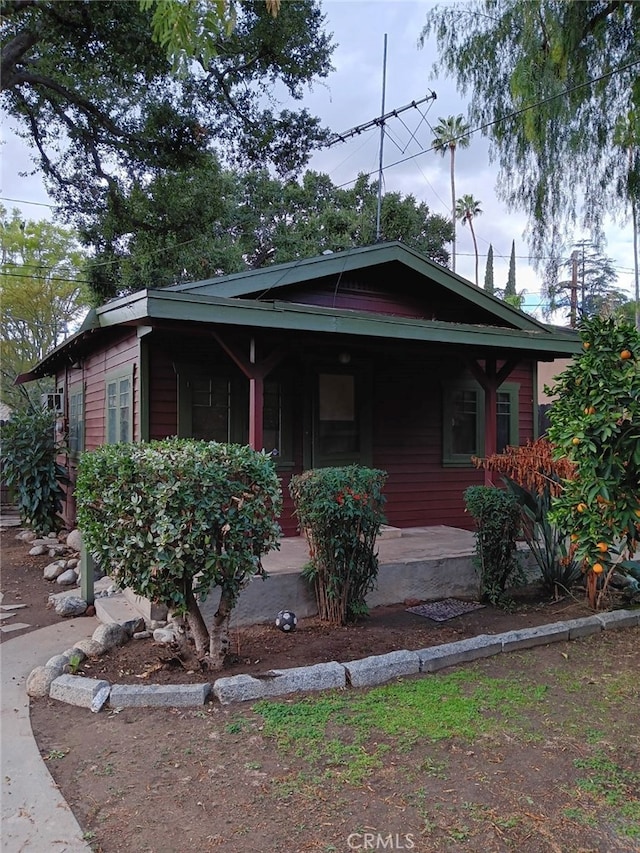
151, 305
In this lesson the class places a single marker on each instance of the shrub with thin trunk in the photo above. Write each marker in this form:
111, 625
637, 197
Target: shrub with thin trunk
497, 517
31, 470
340, 511
173, 519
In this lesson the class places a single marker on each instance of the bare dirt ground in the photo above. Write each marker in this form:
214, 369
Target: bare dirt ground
559, 773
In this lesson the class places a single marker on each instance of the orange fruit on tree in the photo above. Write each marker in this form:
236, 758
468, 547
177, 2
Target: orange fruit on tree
575, 441
625, 354
586, 345
597, 568
602, 547
581, 507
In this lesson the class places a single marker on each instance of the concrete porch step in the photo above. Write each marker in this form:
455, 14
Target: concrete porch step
116, 608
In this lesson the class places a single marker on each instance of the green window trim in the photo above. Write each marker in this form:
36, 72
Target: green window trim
458, 404
118, 404
75, 431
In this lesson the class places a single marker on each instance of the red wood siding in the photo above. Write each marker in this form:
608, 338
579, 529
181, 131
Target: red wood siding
407, 387
388, 289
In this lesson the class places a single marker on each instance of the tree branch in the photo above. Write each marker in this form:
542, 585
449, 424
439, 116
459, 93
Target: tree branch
12, 54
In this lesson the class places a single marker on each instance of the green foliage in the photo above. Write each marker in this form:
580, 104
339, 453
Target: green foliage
497, 517
467, 208
557, 565
92, 89
595, 278
172, 519
30, 469
340, 510
595, 422
42, 297
510, 289
224, 222
450, 134
527, 67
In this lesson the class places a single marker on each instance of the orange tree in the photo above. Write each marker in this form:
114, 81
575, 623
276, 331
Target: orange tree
595, 423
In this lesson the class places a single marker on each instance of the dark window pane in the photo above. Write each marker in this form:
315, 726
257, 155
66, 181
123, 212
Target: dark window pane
503, 425
272, 417
464, 422
210, 409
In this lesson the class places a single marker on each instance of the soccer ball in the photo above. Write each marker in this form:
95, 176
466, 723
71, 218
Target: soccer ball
286, 620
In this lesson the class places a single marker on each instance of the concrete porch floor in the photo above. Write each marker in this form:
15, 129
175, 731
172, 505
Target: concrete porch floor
393, 545
423, 563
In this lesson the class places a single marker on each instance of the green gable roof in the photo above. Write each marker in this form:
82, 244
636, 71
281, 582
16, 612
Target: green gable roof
216, 302
266, 281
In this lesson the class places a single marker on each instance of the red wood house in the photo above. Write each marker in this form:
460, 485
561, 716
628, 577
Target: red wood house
373, 355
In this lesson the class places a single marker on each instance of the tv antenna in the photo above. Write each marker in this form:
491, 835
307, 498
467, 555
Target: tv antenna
381, 122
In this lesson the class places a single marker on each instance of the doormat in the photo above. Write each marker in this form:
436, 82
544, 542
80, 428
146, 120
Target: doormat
448, 608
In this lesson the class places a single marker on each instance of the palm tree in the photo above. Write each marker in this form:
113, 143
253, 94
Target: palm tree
451, 133
467, 207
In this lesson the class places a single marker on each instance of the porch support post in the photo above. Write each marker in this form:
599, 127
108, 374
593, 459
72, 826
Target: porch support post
256, 408
255, 371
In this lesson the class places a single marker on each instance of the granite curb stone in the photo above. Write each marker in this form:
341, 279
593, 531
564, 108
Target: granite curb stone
377, 669
619, 619
158, 695
463, 651
369, 671
76, 689
320, 676
527, 638
584, 627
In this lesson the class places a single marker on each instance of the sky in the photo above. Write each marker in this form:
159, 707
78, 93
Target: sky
352, 95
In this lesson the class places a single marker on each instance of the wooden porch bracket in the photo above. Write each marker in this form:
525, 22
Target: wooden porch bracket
490, 379
255, 373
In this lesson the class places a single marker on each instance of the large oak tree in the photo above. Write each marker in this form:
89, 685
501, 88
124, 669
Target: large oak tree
95, 93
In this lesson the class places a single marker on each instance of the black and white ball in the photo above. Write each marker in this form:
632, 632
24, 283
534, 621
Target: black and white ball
286, 621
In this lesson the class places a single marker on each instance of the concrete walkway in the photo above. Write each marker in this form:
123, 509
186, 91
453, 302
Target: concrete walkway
35, 816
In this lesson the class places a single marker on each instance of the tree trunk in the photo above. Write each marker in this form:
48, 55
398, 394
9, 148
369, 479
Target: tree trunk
452, 149
196, 623
219, 635
475, 246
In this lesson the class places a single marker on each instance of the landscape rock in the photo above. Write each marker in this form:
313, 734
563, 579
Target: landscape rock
67, 578
90, 647
76, 653
74, 540
142, 635
164, 635
53, 570
57, 550
38, 551
57, 662
40, 680
70, 605
158, 695
111, 635
72, 563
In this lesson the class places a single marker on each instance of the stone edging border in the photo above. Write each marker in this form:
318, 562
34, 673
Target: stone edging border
52, 680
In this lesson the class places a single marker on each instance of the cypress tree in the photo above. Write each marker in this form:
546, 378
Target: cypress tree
510, 289
488, 273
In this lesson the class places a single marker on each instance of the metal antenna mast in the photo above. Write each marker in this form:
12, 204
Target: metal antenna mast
379, 122
384, 87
